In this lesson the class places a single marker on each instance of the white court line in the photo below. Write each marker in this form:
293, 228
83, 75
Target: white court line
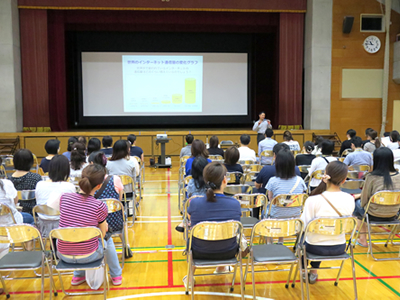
158, 217
161, 180
147, 195
159, 221
183, 294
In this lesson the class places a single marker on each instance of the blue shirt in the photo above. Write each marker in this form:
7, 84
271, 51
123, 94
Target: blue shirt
107, 151
67, 155
266, 144
192, 190
44, 164
224, 209
358, 157
266, 174
136, 151
188, 166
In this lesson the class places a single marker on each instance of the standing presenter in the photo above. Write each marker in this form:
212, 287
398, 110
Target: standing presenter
261, 126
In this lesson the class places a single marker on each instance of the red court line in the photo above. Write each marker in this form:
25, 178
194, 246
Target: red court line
170, 263
206, 285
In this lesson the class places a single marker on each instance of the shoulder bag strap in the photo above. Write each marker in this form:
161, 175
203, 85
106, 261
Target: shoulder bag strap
295, 185
103, 187
334, 208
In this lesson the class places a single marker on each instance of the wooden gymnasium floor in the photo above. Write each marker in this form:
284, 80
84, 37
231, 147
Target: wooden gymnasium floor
156, 272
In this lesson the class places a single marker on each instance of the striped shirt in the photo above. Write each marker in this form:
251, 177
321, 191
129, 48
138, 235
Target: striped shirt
77, 210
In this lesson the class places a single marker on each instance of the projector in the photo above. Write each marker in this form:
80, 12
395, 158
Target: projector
161, 136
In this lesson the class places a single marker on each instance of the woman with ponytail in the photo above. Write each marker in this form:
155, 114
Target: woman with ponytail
373, 141
288, 140
72, 140
306, 156
326, 196
78, 160
83, 210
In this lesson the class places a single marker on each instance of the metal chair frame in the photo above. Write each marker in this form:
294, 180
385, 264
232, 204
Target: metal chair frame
246, 163
186, 220
250, 201
287, 200
215, 231
252, 168
216, 157
355, 185
249, 178
77, 235
233, 189
331, 226
317, 174
276, 228
129, 181
346, 152
139, 178
182, 173
267, 153
360, 168
234, 177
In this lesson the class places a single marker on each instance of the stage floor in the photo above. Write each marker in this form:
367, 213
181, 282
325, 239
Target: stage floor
156, 272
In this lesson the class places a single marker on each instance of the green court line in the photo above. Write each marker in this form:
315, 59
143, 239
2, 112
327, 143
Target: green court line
380, 280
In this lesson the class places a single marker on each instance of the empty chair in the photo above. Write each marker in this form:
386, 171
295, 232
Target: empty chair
250, 201
130, 192
46, 225
352, 186
234, 189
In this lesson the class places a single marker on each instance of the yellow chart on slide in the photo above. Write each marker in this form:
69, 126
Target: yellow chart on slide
190, 91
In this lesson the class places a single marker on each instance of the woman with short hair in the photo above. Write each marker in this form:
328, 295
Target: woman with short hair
52, 148
93, 145
214, 149
288, 140
231, 158
198, 149
72, 140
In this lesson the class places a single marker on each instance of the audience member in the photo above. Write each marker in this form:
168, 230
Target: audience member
78, 160
266, 144
23, 178
305, 158
288, 140
261, 126
318, 142
366, 136
83, 210
214, 149
198, 149
52, 147
187, 150
120, 162
351, 133
326, 195
245, 153
385, 140
373, 141
107, 145
94, 145
384, 177
72, 140
135, 150
320, 163
396, 153
394, 139
82, 139
358, 157
231, 159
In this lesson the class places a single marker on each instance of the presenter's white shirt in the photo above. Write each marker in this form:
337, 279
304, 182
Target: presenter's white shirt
246, 153
261, 128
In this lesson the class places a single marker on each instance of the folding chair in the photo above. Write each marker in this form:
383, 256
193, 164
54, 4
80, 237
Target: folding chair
304, 168
182, 173
247, 202
287, 201
46, 225
186, 221
215, 231
268, 154
246, 163
129, 188
249, 178
360, 168
24, 260
295, 152
26, 195
331, 226
78, 235
234, 177
3, 174
8, 163
35, 166
315, 175
226, 144
139, 178
386, 198
252, 168
346, 152
352, 186
233, 189
6, 215
272, 253
216, 157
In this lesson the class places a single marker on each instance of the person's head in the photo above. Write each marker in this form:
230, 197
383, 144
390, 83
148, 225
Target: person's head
309, 147
94, 145
356, 142
120, 150
199, 149
82, 139
98, 158
367, 130
386, 134
327, 147
107, 141
52, 146
232, 156
383, 165
198, 165
373, 136
78, 157
92, 178
351, 133
59, 168
214, 177
335, 174
23, 160
278, 147
72, 140
189, 139
284, 164
245, 139
132, 139
214, 141
262, 115
287, 136
394, 136
269, 133
318, 141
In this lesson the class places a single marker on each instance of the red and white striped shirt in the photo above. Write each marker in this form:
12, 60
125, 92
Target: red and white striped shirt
77, 210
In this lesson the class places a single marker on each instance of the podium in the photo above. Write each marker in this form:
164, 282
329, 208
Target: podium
162, 162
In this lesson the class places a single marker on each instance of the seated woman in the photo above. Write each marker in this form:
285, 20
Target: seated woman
317, 206
49, 192
94, 145
373, 141
72, 140
384, 177
215, 207
121, 162
23, 178
107, 145
52, 148
288, 140
306, 156
83, 210
78, 160
231, 158
198, 149
214, 149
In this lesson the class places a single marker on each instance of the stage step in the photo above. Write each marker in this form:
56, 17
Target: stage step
8, 146
332, 137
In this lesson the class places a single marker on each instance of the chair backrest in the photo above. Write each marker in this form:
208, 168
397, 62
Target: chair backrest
234, 189
35, 166
216, 231
19, 233
234, 177
226, 143
252, 168
184, 159
3, 173
216, 157
26, 195
360, 168
246, 162
128, 183
356, 174
352, 184
42, 173
8, 162
267, 153
114, 205
277, 228
248, 177
187, 179
295, 152
288, 200
385, 198
251, 200
332, 226
75, 234
304, 168
346, 152
341, 159
44, 210
317, 174
6, 215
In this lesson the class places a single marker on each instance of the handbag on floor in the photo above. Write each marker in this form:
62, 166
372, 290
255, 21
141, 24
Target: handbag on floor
95, 278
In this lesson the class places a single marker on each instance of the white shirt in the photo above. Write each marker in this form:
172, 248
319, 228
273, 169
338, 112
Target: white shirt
318, 163
385, 141
262, 127
317, 206
393, 146
293, 145
396, 154
77, 173
7, 196
246, 153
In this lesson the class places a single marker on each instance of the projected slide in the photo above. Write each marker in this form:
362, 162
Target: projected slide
159, 83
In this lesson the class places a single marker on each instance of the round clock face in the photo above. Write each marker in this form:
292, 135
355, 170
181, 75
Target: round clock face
372, 44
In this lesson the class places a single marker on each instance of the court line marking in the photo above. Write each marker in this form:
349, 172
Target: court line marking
159, 221
159, 195
161, 180
159, 217
183, 293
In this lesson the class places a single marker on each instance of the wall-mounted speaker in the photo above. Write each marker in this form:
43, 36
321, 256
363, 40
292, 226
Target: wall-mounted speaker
347, 24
